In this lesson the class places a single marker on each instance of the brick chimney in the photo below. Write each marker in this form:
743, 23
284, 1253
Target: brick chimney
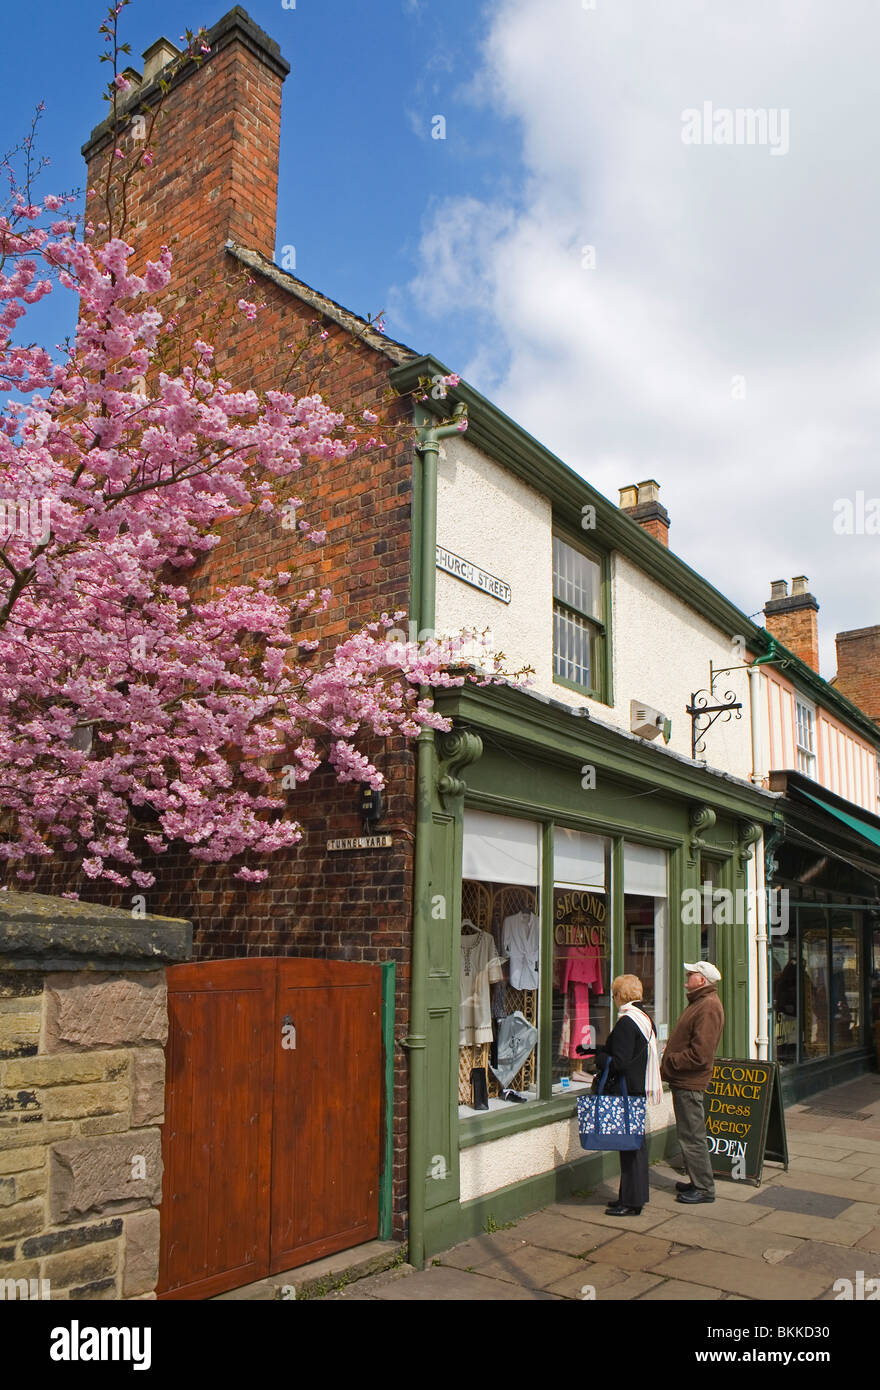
858, 668
792, 618
642, 502
215, 151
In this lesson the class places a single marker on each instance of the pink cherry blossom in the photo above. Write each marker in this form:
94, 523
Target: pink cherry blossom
134, 716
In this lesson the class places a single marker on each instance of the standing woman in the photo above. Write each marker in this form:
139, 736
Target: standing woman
632, 1047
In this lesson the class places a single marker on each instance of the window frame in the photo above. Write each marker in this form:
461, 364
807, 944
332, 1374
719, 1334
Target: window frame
601, 689
802, 752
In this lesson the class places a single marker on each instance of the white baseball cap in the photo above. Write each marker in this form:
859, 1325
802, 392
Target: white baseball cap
704, 967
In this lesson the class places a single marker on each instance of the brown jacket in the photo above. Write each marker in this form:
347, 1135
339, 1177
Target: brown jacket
690, 1051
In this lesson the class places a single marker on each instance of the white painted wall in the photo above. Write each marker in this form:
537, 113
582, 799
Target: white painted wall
661, 648
499, 1162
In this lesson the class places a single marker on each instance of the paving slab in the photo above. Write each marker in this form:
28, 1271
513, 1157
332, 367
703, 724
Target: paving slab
652, 1215
850, 1188
870, 1242
593, 1282
851, 1138
844, 1167
837, 1232
439, 1284
561, 1233
750, 1241
869, 1175
737, 1213
635, 1285
676, 1289
801, 1200
632, 1251
734, 1274
800, 1149
479, 1250
863, 1211
531, 1266
834, 1261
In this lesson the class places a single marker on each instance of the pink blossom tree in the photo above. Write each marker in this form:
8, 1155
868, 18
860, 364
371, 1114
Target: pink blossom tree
131, 715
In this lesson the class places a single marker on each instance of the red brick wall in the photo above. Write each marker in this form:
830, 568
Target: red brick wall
798, 630
215, 176
858, 668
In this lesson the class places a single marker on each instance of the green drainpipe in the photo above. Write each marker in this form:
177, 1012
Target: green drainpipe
416, 1041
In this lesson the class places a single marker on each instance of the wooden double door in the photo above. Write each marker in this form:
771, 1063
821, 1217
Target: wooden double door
273, 1118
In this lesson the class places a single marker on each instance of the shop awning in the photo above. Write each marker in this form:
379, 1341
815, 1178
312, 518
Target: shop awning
869, 832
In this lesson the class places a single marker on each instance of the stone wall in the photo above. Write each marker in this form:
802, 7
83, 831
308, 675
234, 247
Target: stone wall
82, 1085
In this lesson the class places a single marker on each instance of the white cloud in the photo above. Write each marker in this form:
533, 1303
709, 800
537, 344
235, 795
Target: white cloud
712, 262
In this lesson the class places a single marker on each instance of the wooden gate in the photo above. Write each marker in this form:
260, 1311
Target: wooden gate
273, 1118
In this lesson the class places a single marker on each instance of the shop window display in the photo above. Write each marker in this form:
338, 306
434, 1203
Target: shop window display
645, 931
846, 975
581, 952
784, 986
814, 967
500, 963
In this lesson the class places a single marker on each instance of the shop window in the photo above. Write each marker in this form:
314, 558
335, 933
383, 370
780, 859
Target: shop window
784, 988
846, 977
581, 952
710, 873
500, 963
579, 634
806, 739
814, 982
875, 989
646, 931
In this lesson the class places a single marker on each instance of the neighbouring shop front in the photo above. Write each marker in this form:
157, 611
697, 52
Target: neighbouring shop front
825, 952
562, 853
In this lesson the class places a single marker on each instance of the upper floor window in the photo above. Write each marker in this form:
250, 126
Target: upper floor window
806, 739
579, 632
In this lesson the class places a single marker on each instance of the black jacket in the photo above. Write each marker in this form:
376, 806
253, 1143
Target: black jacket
628, 1050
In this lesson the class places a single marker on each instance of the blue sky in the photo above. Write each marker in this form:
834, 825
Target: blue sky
701, 312
359, 169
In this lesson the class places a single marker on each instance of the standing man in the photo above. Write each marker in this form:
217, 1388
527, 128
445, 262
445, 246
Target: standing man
687, 1066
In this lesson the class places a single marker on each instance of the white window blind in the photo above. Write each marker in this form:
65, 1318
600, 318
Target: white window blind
499, 849
578, 859
644, 870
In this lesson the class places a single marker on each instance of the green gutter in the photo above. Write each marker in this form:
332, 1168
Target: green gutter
514, 448
428, 447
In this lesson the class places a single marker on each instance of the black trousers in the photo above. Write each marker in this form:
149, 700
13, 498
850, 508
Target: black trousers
634, 1187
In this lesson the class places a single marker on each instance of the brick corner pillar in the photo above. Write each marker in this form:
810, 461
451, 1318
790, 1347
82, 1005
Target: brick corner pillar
214, 175
83, 1026
858, 668
791, 618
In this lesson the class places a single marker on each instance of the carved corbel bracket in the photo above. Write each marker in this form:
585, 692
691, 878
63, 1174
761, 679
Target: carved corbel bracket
700, 818
750, 833
456, 750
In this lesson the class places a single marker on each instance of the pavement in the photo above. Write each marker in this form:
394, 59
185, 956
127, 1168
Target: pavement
792, 1237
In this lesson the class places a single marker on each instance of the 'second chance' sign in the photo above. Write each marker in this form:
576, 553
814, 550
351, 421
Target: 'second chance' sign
472, 574
745, 1122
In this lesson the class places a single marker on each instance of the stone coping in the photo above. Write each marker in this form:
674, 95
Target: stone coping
39, 932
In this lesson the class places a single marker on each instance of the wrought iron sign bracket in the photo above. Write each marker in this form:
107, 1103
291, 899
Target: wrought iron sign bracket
700, 709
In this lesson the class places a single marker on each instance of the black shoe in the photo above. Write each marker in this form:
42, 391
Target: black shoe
685, 1187
618, 1209
692, 1198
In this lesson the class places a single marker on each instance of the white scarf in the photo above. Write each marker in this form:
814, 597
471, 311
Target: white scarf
653, 1084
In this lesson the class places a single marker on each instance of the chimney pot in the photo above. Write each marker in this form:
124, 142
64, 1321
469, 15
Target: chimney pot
156, 57
799, 584
778, 588
629, 496
649, 491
